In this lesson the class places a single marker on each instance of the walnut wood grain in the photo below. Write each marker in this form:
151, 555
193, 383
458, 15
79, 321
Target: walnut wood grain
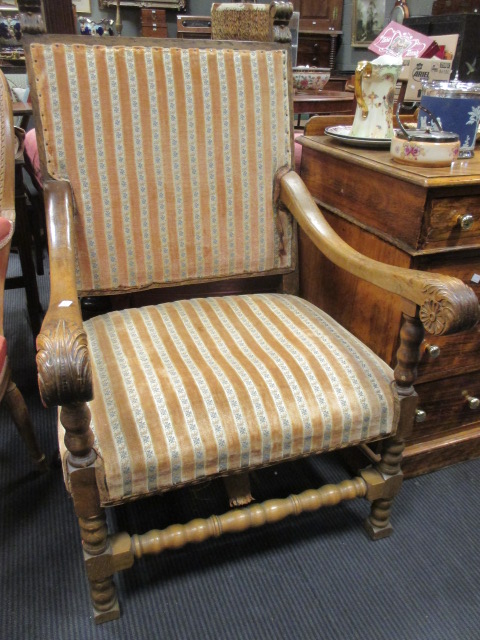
441, 451
441, 223
446, 304
370, 313
445, 405
346, 178
450, 433
394, 210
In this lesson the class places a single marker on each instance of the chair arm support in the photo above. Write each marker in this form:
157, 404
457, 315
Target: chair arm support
64, 372
446, 304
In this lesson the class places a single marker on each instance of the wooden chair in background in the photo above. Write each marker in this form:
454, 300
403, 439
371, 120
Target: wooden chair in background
252, 22
169, 395
9, 393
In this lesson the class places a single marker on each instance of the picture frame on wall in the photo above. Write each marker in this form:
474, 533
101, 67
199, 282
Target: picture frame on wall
82, 6
368, 20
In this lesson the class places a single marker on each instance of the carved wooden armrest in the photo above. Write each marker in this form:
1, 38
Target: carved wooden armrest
446, 304
64, 373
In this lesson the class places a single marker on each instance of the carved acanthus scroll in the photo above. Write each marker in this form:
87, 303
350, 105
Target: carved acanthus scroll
64, 372
31, 16
448, 307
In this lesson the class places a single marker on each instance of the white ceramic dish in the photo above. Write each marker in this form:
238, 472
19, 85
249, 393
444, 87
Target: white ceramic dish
424, 152
343, 133
310, 78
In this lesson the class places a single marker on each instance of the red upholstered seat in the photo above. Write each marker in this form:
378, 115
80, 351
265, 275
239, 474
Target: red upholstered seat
31, 153
5, 230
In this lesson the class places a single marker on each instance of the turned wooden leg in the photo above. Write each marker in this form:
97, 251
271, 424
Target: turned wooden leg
384, 481
91, 516
390, 478
20, 416
97, 555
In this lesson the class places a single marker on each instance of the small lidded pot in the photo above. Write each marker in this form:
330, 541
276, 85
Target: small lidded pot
424, 147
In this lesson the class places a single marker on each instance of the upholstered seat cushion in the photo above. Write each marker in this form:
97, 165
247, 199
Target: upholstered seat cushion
198, 388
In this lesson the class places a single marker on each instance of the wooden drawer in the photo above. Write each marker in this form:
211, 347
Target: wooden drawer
154, 32
153, 17
314, 51
446, 407
444, 219
458, 353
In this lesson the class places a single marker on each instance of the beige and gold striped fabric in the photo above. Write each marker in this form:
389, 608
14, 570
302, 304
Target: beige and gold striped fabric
196, 388
171, 154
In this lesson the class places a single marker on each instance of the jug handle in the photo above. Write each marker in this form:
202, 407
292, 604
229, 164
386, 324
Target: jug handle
422, 108
363, 69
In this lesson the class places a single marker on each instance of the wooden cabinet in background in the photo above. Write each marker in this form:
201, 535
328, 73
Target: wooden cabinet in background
154, 23
319, 16
417, 218
319, 30
318, 49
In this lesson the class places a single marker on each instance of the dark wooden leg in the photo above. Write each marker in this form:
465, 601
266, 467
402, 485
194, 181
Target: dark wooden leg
18, 410
91, 516
23, 242
385, 479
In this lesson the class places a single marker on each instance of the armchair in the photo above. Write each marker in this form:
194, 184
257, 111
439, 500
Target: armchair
201, 188
11, 144
251, 21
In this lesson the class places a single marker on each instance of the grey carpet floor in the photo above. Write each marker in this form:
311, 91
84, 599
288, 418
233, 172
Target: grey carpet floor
314, 577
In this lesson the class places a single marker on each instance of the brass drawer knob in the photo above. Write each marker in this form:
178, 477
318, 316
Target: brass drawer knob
420, 415
465, 221
432, 350
473, 403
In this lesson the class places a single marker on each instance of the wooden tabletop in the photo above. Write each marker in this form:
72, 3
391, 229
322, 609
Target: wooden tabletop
460, 172
323, 101
22, 109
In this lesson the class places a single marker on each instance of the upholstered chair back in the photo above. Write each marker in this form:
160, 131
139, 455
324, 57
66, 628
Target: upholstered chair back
252, 21
171, 152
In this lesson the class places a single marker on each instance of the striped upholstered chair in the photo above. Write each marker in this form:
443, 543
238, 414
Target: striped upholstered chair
151, 181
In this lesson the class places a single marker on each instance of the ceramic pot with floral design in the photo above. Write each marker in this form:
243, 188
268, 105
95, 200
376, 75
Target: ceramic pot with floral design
311, 79
424, 147
375, 92
426, 151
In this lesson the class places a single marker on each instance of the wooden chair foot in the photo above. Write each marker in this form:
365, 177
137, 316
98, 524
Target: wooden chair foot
113, 613
377, 533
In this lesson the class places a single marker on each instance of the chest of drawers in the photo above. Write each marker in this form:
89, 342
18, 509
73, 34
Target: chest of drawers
419, 219
154, 23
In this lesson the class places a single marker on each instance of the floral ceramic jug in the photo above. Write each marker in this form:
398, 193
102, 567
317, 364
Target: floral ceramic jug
375, 92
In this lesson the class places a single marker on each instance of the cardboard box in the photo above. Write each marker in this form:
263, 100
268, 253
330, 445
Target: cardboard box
418, 70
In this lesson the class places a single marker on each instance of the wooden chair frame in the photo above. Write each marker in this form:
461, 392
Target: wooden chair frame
9, 393
435, 303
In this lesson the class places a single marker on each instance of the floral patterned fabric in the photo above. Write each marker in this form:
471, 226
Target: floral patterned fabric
172, 155
194, 389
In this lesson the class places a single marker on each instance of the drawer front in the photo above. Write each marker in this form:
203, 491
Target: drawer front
313, 51
458, 353
452, 222
153, 17
449, 406
154, 32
